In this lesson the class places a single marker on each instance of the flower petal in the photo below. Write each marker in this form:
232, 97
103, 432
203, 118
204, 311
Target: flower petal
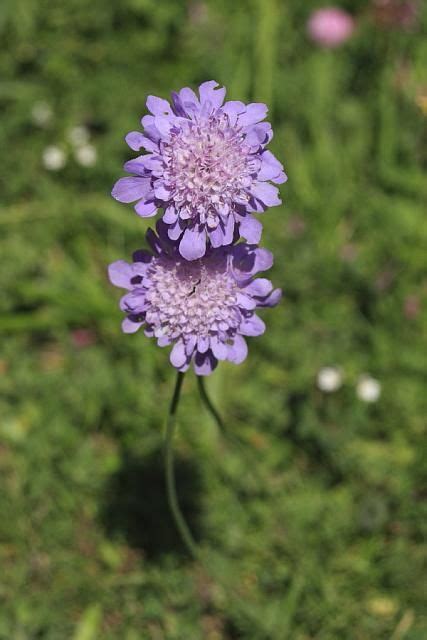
267, 193
146, 209
233, 108
130, 326
229, 230
136, 140
249, 260
259, 287
190, 344
219, 349
263, 260
255, 112
260, 134
130, 189
251, 229
237, 351
162, 193
204, 363
137, 166
208, 93
271, 300
158, 106
170, 215
134, 301
175, 231
163, 125
216, 236
189, 100
271, 169
144, 164
203, 344
252, 326
193, 244
178, 357
120, 273
245, 302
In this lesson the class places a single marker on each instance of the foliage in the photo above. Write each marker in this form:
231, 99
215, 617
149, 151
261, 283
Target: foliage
313, 525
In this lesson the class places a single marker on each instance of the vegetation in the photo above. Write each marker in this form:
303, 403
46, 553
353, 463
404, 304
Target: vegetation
312, 524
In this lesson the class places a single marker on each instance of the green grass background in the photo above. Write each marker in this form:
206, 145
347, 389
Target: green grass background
314, 526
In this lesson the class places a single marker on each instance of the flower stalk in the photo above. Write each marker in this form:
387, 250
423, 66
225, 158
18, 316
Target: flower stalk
178, 517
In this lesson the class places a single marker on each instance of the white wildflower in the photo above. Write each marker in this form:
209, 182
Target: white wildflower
54, 158
41, 114
86, 155
79, 136
368, 389
329, 379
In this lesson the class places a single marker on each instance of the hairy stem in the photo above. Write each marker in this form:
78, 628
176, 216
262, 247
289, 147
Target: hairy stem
170, 473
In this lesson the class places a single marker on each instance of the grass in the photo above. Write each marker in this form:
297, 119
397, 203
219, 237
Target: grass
313, 527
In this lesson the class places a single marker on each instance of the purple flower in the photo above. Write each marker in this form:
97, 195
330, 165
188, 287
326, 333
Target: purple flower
203, 307
330, 26
206, 167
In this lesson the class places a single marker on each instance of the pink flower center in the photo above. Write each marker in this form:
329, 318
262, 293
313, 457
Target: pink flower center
194, 298
209, 168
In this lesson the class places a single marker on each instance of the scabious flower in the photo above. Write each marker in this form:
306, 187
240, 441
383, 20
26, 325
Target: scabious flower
206, 167
202, 307
330, 26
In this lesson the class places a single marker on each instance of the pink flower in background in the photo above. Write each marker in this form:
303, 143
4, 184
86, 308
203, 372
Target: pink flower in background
82, 338
411, 307
330, 26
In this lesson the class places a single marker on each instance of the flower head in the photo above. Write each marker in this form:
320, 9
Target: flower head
330, 26
54, 158
42, 114
86, 155
329, 379
206, 167
202, 307
79, 135
368, 389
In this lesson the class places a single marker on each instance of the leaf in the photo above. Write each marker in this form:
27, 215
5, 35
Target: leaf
89, 625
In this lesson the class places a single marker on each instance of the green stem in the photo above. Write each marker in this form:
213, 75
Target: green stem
212, 568
170, 474
235, 441
208, 404
214, 413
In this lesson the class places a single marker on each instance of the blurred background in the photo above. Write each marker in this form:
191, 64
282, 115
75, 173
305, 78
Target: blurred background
314, 521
